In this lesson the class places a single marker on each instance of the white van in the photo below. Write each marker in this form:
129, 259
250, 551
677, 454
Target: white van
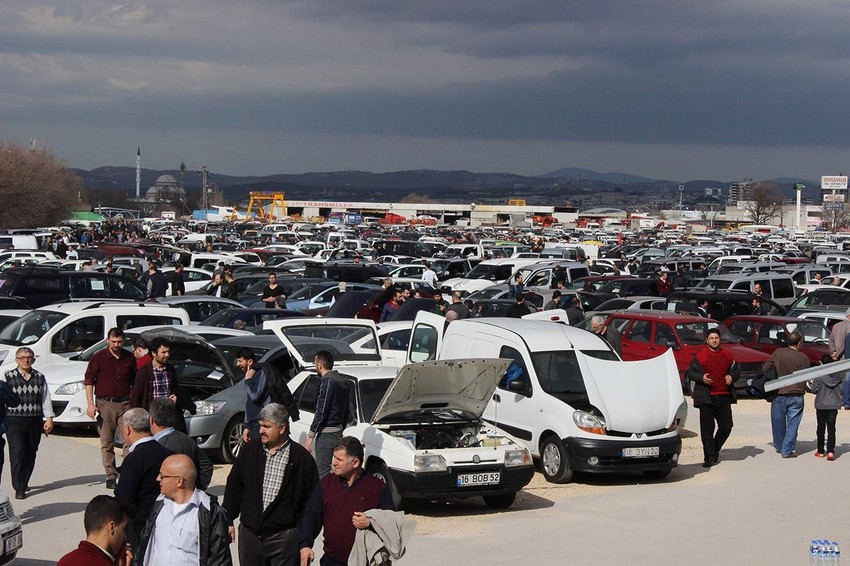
59, 331
567, 396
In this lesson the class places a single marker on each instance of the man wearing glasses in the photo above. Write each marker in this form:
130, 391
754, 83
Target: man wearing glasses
185, 526
25, 422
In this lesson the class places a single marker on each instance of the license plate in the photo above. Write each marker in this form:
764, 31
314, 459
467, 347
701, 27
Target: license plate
486, 478
13, 543
643, 452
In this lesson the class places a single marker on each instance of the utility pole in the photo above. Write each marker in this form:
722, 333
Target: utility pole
138, 172
798, 188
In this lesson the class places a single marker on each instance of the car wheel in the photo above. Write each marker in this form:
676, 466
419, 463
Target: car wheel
554, 462
657, 474
231, 440
500, 501
378, 469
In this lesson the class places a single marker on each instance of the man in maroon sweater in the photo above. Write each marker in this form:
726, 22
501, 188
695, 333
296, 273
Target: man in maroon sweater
108, 381
338, 503
105, 520
712, 374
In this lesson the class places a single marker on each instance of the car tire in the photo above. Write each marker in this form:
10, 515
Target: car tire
378, 469
500, 501
657, 474
554, 462
231, 440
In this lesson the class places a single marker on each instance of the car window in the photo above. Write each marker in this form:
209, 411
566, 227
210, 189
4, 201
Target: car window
424, 345
78, 335
517, 371
783, 288
640, 331
743, 329
398, 340
134, 321
541, 278
40, 285
307, 394
771, 334
664, 334
120, 288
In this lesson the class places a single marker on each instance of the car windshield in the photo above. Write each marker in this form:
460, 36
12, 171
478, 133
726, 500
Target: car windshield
307, 292
337, 339
371, 393
612, 286
491, 272
559, 374
30, 328
694, 333
823, 298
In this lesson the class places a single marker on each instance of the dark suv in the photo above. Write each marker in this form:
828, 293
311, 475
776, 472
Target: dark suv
39, 286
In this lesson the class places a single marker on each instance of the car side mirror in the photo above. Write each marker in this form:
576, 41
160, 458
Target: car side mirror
519, 386
672, 344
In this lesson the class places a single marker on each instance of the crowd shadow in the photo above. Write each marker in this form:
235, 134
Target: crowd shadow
33, 562
50, 511
89, 481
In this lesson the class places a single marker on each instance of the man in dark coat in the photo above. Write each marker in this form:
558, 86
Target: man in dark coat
162, 427
137, 485
157, 379
268, 488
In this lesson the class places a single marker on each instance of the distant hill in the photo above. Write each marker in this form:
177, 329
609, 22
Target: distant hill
589, 175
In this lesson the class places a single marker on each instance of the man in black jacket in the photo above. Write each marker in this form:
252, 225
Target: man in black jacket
268, 488
169, 536
332, 412
137, 486
162, 427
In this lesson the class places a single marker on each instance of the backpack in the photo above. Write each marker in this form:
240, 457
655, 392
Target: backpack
279, 391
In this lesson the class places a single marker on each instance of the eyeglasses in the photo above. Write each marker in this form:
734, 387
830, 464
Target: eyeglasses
26, 358
161, 476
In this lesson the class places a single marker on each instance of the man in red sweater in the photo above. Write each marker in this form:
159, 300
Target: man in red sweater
105, 520
712, 375
337, 504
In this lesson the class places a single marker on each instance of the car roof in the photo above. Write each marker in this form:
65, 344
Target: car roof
765, 318
255, 340
542, 335
665, 316
73, 307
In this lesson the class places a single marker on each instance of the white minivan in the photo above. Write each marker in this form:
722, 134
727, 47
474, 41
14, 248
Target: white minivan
59, 331
567, 396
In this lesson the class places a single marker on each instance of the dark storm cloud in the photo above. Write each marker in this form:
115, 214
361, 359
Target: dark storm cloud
749, 73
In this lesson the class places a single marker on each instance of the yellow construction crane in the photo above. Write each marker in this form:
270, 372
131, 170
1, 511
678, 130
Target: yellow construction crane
262, 199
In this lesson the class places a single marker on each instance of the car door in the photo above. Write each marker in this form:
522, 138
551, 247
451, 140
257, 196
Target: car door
636, 342
770, 337
426, 337
514, 409
394, 347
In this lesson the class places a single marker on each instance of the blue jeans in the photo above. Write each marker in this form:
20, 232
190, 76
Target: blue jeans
786, 412
847, 390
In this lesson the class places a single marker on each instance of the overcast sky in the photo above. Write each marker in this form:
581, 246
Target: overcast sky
665, 89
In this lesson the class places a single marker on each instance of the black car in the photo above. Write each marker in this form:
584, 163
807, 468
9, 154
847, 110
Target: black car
252, 317
40, 286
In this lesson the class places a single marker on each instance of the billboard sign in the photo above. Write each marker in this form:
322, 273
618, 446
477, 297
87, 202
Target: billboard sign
838, 197
834, 182
833, 205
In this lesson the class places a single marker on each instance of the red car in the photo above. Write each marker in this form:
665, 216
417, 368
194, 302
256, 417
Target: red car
769, 333
647, 334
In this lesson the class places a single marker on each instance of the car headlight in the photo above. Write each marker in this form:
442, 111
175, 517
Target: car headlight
589, 422
429, 463
681, 416
71, 388
517, 458
208, 407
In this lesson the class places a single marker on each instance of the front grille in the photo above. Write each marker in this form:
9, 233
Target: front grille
617, 461
621, 434
6, 512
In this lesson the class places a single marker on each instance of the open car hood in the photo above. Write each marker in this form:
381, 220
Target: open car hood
641, 396
303, 337
444, 389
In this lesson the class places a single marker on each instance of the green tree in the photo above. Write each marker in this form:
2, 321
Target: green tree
36, 187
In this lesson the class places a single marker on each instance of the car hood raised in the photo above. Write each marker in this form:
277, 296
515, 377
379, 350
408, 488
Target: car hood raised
464, 387
634, 397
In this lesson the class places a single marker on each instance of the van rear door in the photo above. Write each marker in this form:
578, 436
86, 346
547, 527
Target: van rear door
426, 338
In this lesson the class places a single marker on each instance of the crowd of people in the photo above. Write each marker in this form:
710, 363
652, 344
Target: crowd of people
160, 514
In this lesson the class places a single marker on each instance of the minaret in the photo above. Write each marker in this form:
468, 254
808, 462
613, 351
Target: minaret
138, 172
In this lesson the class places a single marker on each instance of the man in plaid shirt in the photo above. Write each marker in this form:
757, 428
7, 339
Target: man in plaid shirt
268, 488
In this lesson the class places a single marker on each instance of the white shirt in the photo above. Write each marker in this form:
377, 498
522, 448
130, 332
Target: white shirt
430, 277
175, 539
139, 441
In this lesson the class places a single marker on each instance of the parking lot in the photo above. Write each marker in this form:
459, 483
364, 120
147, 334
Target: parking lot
753, 508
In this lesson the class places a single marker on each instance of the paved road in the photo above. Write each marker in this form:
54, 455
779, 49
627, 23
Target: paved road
754, 508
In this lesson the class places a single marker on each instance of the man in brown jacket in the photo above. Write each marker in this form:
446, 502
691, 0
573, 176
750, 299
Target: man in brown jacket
786, 410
